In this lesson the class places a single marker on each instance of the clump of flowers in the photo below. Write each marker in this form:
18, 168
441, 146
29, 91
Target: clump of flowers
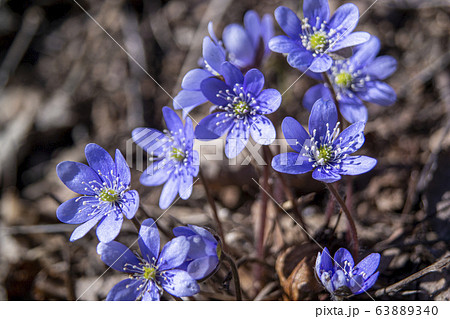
342, 278
323, 150
357, 79
174, 161
105, 186
205, 251
152, 272
309, 42
241, 108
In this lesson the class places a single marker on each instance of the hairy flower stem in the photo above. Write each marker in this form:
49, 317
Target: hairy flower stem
136, 223
212, 203
234, 271
263, 213
344, 207
333, 93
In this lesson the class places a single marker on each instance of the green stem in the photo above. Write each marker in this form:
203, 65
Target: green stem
344, 207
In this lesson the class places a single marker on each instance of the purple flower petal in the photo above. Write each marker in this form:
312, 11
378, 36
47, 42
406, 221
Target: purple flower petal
379, 93
152, 293
131, 203
83, 229
213, 126
321, 63
262, 130
323, 115
183, 231
211, 88
116, 256
150, 140
294, 133
269, 100
188, 100
236, 140
253, 27
123, 171
231, 74
186, 186
283, 44
173, 122
300, 59
352, 39
239, 45
149, 240
341, 256
355, 165
368, 265
77, 176
353, 109
253, 81
74, 211
109, 227
213, 54
193, 78
326, 261
314, 93
368, 283
126, 290
202, 267
174, 253
345, 18
316, 11
291, 163
382, 67
267, 31
365, 53
326, 176
157, 173
351, 139
101, 162
169, 192
211, 32
288, 21
179, 283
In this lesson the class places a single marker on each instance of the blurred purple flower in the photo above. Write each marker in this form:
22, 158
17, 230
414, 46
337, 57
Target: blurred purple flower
154, 271
204, 253
175, 163
310, 40
105, 185
356, 79
342, 278
242, 106
323, 149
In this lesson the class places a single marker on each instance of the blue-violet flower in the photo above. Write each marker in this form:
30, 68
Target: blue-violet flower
241, 109
152, 273
342, 278
310, 41
356, 79
323, 149
105, 186
175, 163
204, 254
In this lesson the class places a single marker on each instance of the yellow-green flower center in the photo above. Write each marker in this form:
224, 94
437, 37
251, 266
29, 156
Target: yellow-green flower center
178, 154
318, 40
108, 195
149, 273
218, 251
324, 154
343, 79
241, 108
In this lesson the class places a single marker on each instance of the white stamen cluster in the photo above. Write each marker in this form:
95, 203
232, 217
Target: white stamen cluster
241, 106
346, 79
108, 195
323, 153
317, 39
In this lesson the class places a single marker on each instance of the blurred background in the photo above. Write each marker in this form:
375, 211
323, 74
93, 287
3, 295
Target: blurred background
65, 83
